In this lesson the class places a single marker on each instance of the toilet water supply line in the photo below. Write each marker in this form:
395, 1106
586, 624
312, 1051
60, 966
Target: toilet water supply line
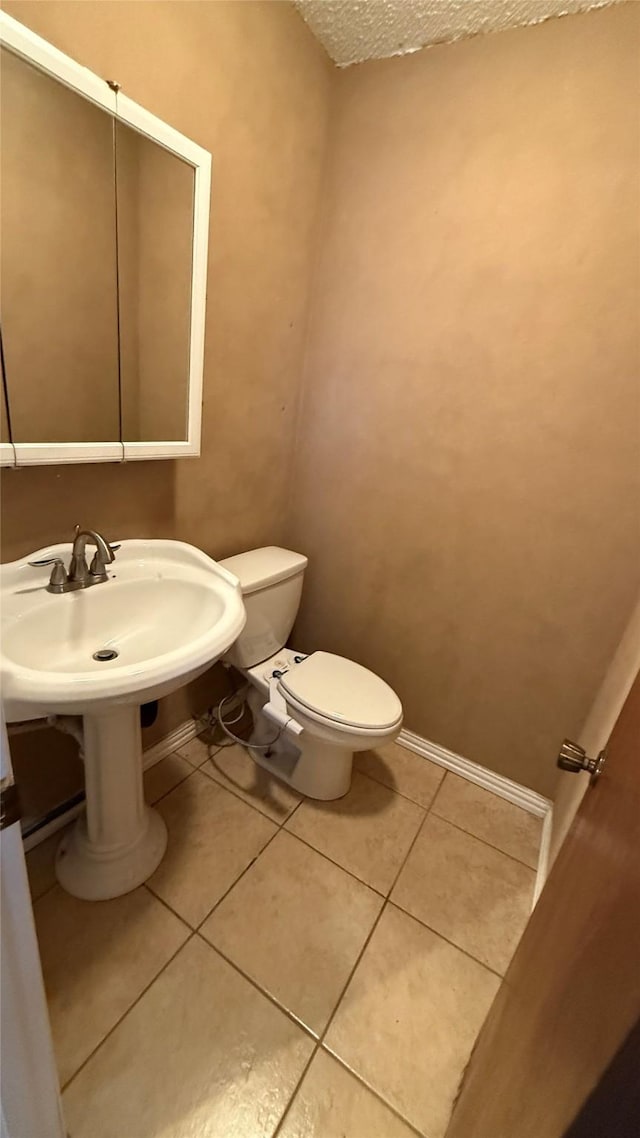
275, 709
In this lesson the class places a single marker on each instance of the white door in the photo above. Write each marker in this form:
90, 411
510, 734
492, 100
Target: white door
29, 1093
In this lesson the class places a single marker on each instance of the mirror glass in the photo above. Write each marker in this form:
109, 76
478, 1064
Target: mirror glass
59, 271
155, 194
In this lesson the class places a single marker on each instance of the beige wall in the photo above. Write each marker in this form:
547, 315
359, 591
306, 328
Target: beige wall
249, 83
467, 475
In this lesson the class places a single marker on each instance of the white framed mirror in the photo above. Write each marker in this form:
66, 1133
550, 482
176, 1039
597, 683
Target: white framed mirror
104, 222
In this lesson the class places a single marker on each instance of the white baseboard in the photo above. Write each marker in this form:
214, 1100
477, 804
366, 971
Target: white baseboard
176, 738
521, 796
543, 857
497, 783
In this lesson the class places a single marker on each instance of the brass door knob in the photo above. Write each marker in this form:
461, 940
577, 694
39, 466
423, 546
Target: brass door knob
574, 758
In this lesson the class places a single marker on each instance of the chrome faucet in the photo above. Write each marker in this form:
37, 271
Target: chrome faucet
80, 575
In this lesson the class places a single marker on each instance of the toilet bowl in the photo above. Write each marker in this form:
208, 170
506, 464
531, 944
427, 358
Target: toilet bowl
311, 713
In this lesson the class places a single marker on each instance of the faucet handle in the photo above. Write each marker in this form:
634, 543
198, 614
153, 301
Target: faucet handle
58, 573
98, 567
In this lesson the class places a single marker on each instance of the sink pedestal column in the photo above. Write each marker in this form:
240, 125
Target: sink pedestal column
119, 841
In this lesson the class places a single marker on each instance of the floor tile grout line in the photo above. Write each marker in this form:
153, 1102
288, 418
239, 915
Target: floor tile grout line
390, 901
405, 859
368, 938
167, 906
296, 1089
196, 928
352, 971
65, 1086
395, 790
436, 932
295, 809
183, 746
354, 1074
211, 911
359, 957
484, 841
175, 786
234, 792
345, 986
322, 1038
338, 864
45, 893
192, 933
239, 796
261, 991
280, 829
221, 786
431, 808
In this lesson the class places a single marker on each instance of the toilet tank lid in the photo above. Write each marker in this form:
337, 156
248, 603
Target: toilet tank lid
258, 568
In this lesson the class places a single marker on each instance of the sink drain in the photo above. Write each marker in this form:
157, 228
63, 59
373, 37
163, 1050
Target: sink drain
105, 654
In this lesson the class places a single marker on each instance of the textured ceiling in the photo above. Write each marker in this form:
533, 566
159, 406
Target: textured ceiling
354, 30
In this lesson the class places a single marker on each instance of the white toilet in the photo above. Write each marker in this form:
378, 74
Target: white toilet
310, 713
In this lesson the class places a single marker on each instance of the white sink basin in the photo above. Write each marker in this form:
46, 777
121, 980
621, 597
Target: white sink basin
167, 609
166, 613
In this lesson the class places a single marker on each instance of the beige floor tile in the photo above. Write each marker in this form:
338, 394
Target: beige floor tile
402, 770
202, 1053
212, 838
409, 1018
368, 831
295, 923
234, 768
486, 816
469, 892
163, 776
41, 861
198, 749
97, 957
331, 1103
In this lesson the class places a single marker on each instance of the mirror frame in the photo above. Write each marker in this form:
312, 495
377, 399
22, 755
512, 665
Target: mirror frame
41, 54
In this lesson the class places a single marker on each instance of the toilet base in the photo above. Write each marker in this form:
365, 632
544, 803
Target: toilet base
325, 776
315, 769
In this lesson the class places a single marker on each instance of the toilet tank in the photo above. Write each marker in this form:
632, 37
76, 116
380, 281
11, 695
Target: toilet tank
271, 583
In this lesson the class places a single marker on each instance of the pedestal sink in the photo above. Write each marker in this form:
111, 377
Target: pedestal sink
165, 614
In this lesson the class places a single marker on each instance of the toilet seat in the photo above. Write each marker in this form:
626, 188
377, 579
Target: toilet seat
334, 689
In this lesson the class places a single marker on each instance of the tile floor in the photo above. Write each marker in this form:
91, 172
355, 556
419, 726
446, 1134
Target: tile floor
293, 968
